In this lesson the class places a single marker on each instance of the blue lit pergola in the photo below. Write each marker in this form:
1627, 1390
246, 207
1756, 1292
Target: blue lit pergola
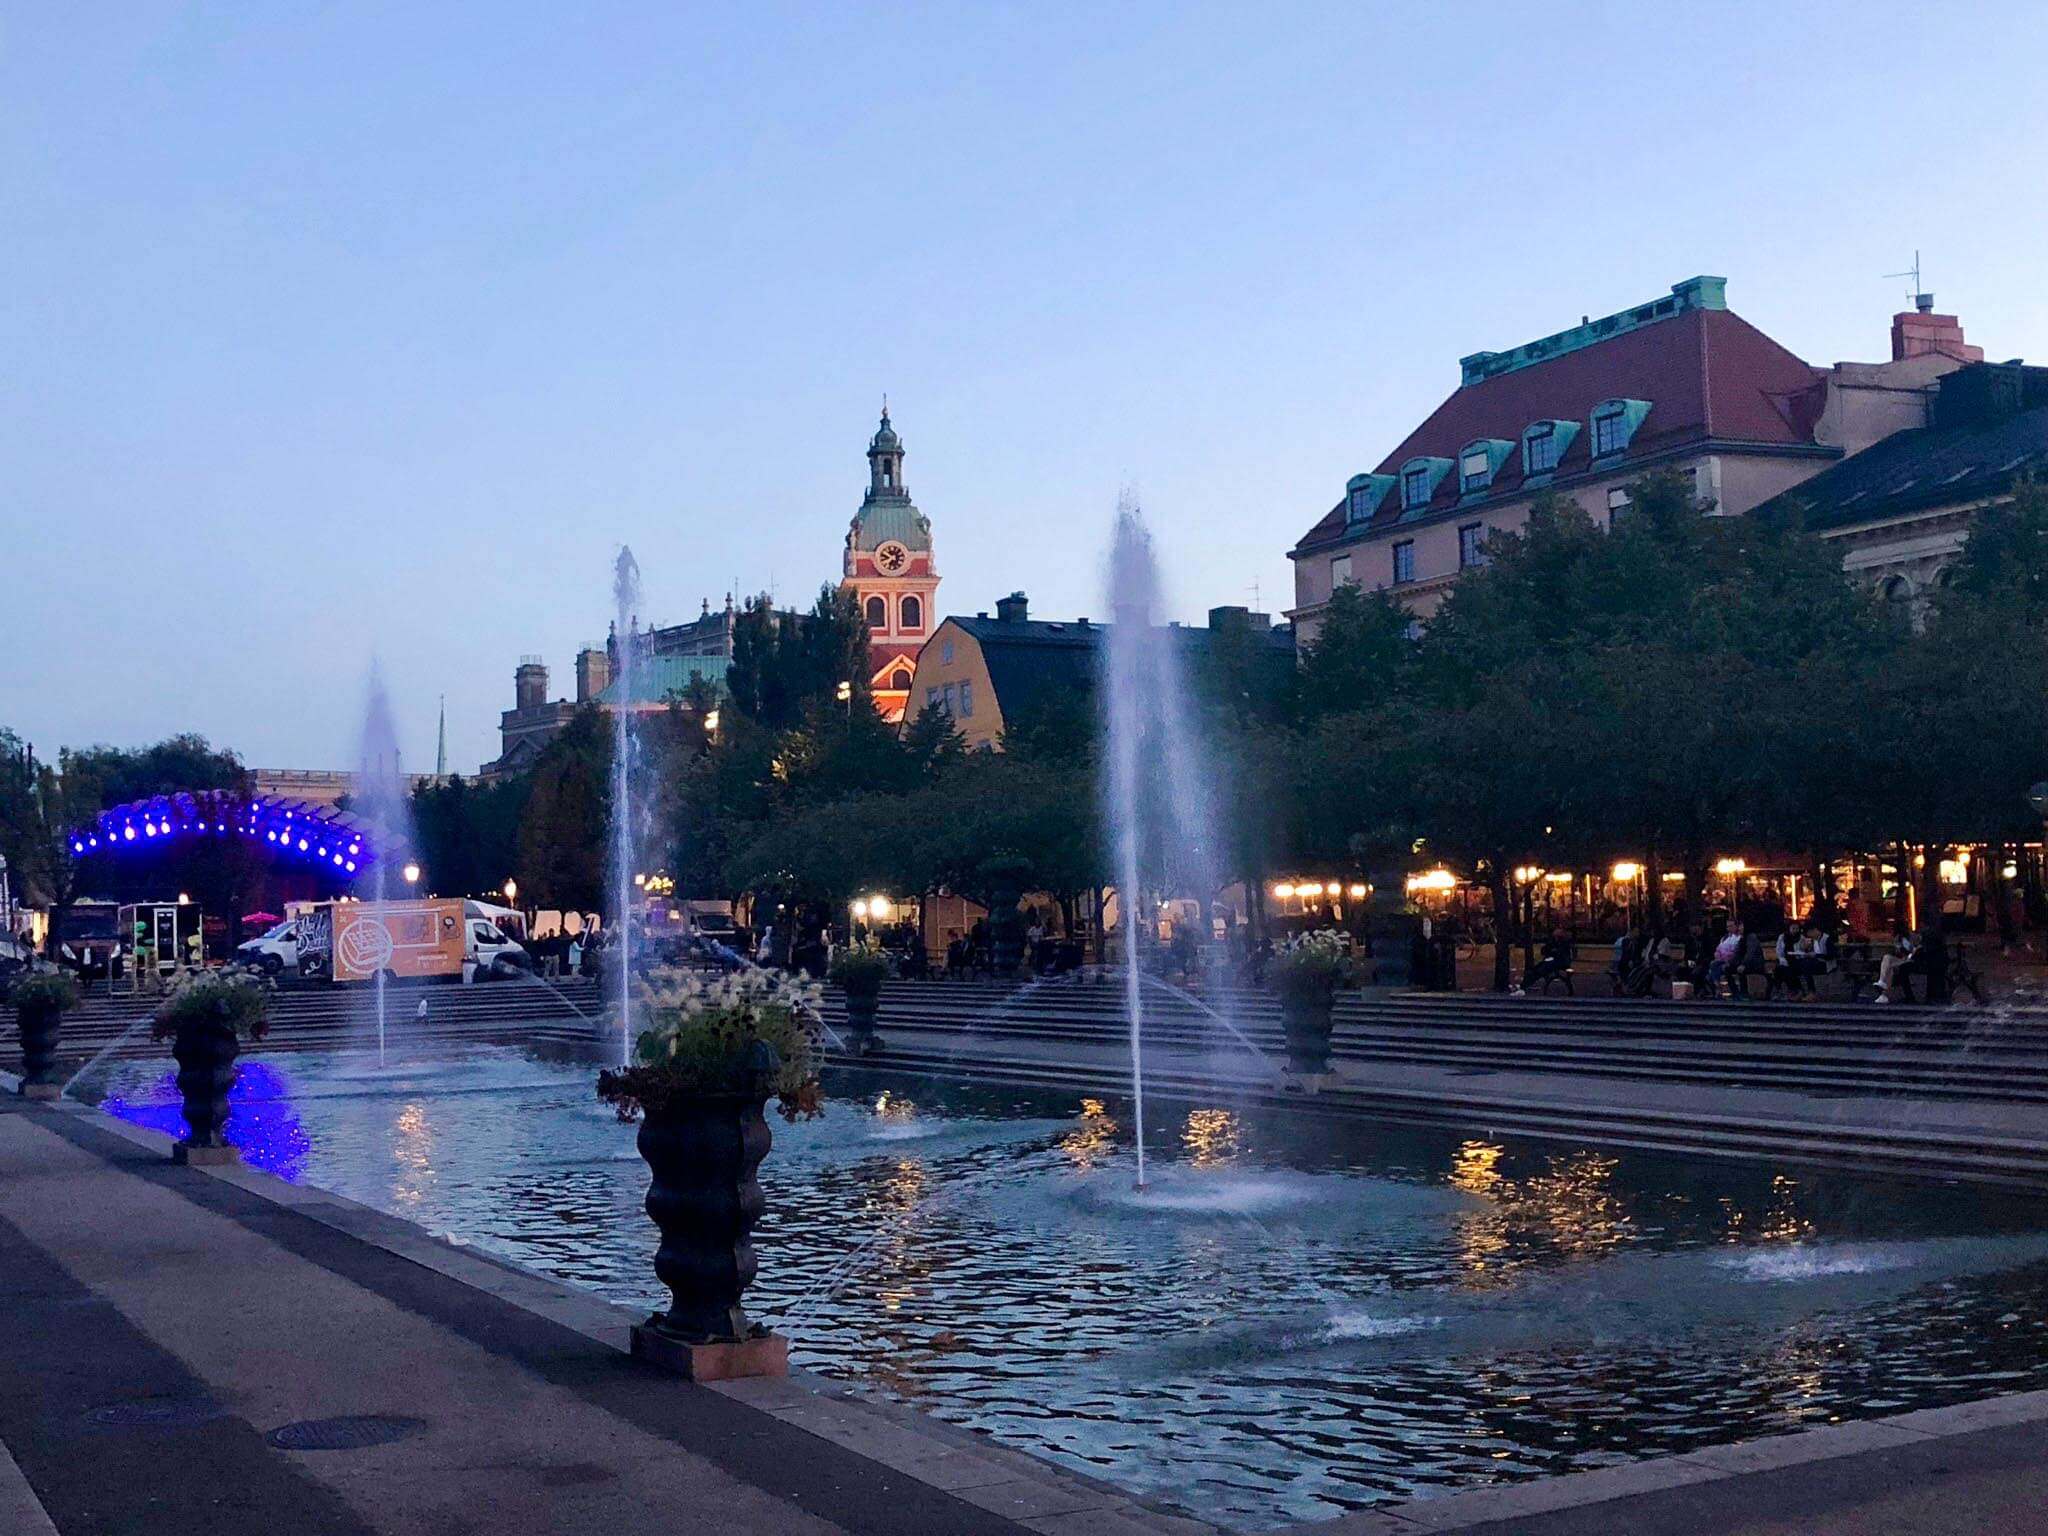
338, 842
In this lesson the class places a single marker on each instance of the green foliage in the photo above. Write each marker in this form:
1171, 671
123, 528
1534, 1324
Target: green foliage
215, 997
562, 839
859, 968
784, 664
744, 1033
1313, 967
45, 992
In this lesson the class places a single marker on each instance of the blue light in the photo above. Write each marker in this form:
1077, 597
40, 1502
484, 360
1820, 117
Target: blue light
149, 827
354, 848
271, 835
337, 859
351, 866
78, 847
302, 845
129, 832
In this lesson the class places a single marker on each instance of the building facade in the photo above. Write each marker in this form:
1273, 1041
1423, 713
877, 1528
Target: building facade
992, 673
1901, 510
1681, 383
890, 569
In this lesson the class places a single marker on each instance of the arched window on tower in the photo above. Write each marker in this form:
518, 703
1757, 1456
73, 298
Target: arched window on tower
913, 614
878, 613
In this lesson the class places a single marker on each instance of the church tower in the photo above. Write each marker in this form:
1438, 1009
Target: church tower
889, 568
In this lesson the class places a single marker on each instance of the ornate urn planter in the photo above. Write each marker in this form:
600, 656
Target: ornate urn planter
704, 1153
862, 1002
40, 1003
1307, 1022
40, 1023
206, 1051
703, 1071
205, 1019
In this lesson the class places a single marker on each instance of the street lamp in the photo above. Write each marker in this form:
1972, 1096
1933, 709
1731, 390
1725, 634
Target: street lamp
412, 874
511, 889
710, 722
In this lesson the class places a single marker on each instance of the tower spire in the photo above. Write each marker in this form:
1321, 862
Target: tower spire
441, 746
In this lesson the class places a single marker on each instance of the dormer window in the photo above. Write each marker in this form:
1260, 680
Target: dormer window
1539, 449
1416, 487
1363, 495
1614, 425
1475, 469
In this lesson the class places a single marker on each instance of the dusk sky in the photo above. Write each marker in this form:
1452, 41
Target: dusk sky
361, 329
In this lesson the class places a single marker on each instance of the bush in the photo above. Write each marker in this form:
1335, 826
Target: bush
45, 991
236, 1000
723, 1036
860, 967
1313, 967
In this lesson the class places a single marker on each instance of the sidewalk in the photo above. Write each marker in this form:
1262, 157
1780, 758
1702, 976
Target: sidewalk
173, 1341
162, 1329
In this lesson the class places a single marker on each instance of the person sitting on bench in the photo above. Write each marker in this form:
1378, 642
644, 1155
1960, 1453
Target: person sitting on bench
1555, 961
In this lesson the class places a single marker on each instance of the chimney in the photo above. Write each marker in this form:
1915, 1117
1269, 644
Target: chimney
593, 673
530, 683
1014, 609
1921, 331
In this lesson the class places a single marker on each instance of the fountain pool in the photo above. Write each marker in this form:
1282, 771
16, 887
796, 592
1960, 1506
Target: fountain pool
1298, 1316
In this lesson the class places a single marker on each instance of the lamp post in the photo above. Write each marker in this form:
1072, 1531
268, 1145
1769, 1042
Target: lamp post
846, 699
511, 890
412, 874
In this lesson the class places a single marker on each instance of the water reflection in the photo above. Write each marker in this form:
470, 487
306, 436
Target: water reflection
1301, 1315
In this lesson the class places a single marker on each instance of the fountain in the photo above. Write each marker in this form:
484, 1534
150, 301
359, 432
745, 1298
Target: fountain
1159, 805
379, 796
626, 606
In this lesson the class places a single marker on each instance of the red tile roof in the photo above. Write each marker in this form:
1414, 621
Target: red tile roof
1707, 373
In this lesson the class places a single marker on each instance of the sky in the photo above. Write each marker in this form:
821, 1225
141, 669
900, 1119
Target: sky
371, 331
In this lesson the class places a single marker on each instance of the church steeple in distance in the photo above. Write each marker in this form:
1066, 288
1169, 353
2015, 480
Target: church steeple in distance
885, 462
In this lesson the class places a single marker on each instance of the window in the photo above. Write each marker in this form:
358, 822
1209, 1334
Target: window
1471, 539
1404, 561
1610, 433
1340, 572
1539, 450
1475, 470
1415, 488
932, 696
1357, 504
878, 613
951, 699
900, 678
1617, 504
967, 700
913, 614
946, 650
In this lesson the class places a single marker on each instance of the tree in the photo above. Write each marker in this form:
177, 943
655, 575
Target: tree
562, 829
1361, 657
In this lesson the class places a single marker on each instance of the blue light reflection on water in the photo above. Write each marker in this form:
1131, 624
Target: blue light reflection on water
263, 1124
1302, 1315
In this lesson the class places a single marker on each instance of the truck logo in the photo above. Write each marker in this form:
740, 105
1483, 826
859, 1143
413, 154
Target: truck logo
365, 946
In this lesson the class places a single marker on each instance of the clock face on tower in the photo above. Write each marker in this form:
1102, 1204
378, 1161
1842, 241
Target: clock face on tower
891, 558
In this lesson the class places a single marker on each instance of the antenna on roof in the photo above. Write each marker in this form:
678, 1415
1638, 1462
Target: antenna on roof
1255, 596
1922, 300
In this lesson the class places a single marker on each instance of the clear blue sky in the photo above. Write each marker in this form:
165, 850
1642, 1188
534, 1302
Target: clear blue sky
365, 327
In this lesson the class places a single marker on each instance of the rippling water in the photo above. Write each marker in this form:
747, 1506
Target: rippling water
1300, 1315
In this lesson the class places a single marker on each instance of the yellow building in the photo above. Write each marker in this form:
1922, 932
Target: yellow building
991, 673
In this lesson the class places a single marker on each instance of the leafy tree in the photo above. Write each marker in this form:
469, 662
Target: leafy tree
1361, 657
562, 828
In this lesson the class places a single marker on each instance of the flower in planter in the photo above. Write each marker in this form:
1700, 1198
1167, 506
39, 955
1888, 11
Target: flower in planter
238, 1001
720, 1037
860, 967
45, 992
1313, 967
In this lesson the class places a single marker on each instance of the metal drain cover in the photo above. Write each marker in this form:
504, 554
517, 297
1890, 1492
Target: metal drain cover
353, 1432
164, 1411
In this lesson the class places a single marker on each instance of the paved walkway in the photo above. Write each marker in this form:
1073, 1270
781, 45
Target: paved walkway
158, 1324
165, 1333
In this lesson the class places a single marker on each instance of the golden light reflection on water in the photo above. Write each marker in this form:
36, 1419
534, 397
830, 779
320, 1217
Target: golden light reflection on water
1214, 1138
891, 1106
412, 1150
1571, 1200
1093, 1137
1780, 1221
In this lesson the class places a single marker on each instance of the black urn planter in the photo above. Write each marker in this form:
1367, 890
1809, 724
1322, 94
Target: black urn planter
1307, 1023
205, 1051
861, 1006
40, 1025
704, 1151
